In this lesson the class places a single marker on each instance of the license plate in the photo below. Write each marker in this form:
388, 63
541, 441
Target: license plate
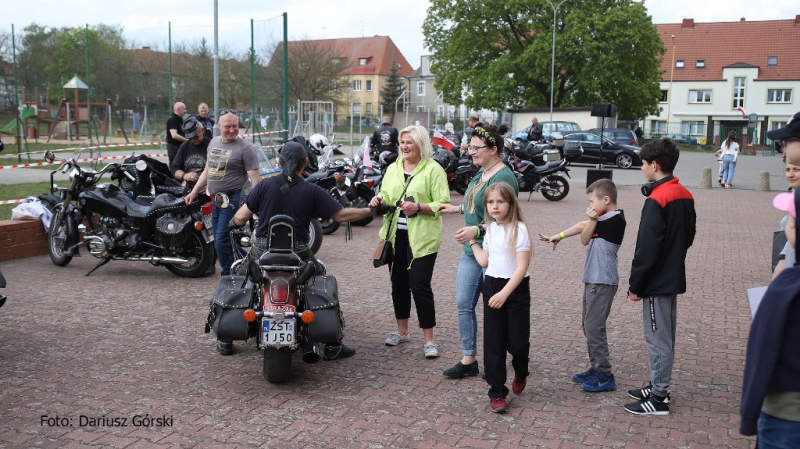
207, 223
277, 332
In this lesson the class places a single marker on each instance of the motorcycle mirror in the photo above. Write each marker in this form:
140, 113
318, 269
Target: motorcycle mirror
49, 156
141, 165
222, 200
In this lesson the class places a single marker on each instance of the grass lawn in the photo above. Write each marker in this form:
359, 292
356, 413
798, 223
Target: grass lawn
17, 191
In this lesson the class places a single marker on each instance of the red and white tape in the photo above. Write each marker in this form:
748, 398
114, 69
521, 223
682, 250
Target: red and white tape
39, 164
12, 201
140, 144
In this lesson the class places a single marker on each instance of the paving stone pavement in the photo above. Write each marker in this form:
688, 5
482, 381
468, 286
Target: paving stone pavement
129, 341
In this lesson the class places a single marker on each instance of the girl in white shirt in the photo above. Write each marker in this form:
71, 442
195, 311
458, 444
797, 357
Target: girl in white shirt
505, 254
729, 152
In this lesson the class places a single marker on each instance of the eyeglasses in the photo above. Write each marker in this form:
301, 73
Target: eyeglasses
228, 111
474, 149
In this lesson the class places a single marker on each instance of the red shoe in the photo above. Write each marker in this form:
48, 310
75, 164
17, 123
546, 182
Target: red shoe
519, 384
498, 405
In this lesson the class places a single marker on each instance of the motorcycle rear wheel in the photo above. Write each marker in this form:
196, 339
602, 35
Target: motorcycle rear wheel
277, 365
200, 255
315, 236
57, 238
555, 188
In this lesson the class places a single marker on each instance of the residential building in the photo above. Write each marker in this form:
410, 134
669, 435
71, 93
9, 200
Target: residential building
426, 101
370, 63
715, 76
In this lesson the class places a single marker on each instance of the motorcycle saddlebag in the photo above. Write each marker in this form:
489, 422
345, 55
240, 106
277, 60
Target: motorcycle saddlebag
322, 297
226, 314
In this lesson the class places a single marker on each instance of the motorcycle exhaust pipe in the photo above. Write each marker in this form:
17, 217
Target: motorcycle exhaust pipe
310, 353
170, 260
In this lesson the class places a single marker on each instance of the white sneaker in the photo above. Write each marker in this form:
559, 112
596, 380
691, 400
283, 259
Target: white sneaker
396, 338
431, 350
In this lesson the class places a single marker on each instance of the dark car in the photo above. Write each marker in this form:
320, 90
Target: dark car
623, 156
619, 135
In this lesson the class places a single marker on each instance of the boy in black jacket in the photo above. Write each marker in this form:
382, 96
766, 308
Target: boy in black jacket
658, 271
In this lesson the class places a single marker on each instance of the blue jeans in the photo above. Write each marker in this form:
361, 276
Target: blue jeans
222, 236
469, 282
777, 433
728, 167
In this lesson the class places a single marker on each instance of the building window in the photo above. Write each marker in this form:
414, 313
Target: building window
356, 85
333, 85
699, 96
779, 95
680, 64
335, 61
356, 108
692, 128
303, 65
664, 96
421, 108
700, 64
369, 108
738, 92
772, 61
658, 127
369, 85
362, 61
421, 88
440, 110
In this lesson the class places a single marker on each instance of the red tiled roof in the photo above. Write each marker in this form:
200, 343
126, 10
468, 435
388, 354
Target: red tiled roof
379, 51
723, 44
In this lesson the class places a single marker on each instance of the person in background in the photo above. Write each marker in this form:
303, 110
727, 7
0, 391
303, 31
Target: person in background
205, 120
417, 185
175, 130
385, 137
535, 132
729, 152
465, 138
190, 161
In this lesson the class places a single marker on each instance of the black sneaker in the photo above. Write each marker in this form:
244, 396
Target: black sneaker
650, 406
338, 351
224, 347
460, 370
640, 394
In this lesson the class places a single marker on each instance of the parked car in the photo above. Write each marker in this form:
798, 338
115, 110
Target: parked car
680, 138
619, 135
549, 127
623, 156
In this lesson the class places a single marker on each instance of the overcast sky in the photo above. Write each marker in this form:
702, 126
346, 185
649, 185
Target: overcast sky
146, 21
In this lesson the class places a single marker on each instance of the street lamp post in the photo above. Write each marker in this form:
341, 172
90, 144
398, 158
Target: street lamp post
553, 62
669, 94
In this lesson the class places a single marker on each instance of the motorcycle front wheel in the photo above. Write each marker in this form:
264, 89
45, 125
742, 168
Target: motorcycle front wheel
555, 188
57, 237
328, 226
315, 235
277, 365
200, 255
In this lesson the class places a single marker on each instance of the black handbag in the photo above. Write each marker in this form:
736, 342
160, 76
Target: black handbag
384, 253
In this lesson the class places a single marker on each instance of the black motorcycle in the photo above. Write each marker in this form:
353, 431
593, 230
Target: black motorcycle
533, 178
284, 302
159, 229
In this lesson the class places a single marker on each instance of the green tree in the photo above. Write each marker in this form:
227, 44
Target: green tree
497, 53
392, 90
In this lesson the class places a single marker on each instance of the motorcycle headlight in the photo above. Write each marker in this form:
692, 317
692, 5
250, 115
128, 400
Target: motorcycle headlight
73, 173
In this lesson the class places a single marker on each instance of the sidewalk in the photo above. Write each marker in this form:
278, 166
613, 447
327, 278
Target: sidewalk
129, 341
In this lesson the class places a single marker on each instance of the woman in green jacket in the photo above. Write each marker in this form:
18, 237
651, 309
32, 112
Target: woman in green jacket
416, 232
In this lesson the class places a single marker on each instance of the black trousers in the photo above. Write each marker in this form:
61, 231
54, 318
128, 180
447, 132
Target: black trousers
505, 329
414, 281
172, 151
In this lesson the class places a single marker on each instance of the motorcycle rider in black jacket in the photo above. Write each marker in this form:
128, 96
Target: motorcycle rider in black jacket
385, 138
308, 201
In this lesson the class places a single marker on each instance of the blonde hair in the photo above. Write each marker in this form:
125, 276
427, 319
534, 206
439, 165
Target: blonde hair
514, 217
420, 137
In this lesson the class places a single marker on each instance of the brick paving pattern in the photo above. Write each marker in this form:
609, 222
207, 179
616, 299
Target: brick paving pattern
129, 341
